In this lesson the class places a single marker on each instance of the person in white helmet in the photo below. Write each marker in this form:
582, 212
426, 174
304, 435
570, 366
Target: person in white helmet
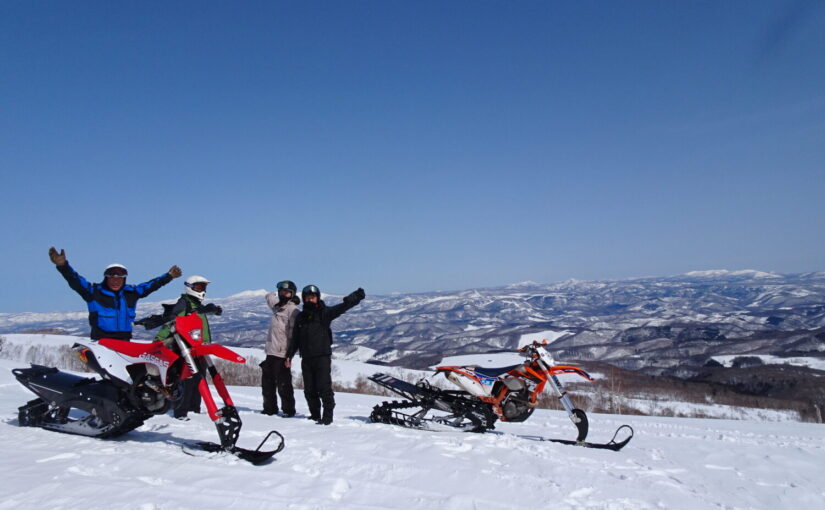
191, 301
112, 302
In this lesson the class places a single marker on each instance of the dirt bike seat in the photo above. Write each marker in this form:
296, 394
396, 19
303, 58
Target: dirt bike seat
132, 349
495, 372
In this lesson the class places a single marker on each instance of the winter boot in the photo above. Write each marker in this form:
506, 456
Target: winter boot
315, 412
327, 418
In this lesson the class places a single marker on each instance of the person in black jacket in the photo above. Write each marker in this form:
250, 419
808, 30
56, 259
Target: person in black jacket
312, 337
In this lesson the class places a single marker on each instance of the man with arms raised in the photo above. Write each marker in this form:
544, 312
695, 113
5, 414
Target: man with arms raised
112, 302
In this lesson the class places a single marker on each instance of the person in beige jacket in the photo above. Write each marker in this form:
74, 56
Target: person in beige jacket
276, 377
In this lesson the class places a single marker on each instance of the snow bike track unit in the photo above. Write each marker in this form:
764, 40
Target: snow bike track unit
467, 414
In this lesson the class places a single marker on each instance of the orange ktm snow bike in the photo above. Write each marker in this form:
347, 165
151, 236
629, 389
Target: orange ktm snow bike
138, 381
509, 394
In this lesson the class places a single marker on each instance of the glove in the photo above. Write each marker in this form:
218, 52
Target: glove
296, 300
174, 272
211, 308
58, 259
355, 297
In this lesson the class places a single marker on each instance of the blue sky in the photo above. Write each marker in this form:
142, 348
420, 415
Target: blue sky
407, 146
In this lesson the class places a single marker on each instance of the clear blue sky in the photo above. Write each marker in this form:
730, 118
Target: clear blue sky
407, 146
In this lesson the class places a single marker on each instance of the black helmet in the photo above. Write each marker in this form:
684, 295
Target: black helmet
310, 289
287, 285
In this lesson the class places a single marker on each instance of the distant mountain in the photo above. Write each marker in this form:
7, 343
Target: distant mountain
657, 325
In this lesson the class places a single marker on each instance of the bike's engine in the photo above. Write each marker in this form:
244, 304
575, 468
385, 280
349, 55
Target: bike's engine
516, 405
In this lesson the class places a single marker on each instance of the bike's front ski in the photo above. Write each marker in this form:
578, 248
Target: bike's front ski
256, 456
610, 445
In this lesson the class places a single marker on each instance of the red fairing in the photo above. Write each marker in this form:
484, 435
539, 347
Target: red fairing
185, 324
219, 351
136, 350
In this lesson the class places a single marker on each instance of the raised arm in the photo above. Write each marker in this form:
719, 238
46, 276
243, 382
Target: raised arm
272, 301
146, 288
350, 301
75, 281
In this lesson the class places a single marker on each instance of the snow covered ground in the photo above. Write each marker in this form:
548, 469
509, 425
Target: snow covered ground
16, 347
671, 463
800, 361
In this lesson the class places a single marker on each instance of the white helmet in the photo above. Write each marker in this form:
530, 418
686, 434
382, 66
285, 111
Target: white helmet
190, 286
121, 267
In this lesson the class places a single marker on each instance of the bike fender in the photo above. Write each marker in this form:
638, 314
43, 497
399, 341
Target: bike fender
567, 369
219, 351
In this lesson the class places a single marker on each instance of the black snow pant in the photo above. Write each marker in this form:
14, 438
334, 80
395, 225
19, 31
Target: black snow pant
190, 401
276, 379
318, 385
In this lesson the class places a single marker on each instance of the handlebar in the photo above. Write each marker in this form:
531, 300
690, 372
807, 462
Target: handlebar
154, 321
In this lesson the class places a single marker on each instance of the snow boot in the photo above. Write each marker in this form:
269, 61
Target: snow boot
327, 418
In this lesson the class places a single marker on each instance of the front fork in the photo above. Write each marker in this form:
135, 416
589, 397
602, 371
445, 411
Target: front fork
226, 419
577, 416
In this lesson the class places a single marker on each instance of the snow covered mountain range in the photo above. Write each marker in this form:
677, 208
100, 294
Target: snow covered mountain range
655, 324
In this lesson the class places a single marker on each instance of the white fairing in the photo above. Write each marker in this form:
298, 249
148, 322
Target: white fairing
546, 357
471, 385
115, 363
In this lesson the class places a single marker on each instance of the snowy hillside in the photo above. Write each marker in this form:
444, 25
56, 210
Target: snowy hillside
657, 325
36, 348
671, 463
348, 374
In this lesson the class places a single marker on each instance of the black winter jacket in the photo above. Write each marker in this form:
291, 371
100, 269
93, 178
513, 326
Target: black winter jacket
312, 335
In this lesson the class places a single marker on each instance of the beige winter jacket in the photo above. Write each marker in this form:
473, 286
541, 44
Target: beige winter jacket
280, 328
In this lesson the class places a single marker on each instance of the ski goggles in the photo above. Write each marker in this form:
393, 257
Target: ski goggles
285, 285
115, 275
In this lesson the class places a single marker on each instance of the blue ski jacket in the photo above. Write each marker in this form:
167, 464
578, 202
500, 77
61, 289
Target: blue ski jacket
111, 313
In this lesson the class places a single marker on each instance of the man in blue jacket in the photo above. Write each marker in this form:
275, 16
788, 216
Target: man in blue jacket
111, 303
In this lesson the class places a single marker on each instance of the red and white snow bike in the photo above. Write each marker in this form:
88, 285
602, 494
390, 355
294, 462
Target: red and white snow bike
488, 394
138, 381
